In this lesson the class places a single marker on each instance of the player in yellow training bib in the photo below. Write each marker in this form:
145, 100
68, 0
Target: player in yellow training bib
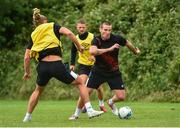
45, 46
85, 63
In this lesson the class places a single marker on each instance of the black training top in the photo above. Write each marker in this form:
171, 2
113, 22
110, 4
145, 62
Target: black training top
108, 62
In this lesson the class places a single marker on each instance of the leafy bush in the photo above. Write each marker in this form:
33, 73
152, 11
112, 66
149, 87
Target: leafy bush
152, 25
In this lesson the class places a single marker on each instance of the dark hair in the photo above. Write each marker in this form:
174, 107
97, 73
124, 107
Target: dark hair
105, 23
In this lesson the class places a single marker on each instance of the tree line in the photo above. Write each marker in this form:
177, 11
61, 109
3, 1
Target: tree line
152, 25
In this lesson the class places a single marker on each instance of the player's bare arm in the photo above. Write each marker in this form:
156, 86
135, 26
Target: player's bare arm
26, 65
95, 51
71, 36
135, 50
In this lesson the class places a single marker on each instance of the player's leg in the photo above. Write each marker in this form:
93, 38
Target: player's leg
100, 97
119, 96
84, 78
94, 82
78, 110
84, 98
61, 73
42, 79
84, 71
72, 78
80, 103
78, 82
79, 107
116, 84
33, 100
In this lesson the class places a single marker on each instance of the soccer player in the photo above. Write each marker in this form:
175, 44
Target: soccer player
85, 61
105, 48
45, 46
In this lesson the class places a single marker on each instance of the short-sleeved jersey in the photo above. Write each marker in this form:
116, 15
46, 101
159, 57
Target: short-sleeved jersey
108, 62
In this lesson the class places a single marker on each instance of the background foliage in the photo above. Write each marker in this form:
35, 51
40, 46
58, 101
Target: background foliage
152, 25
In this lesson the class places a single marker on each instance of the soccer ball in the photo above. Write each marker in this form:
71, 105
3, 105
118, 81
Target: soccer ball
125, 112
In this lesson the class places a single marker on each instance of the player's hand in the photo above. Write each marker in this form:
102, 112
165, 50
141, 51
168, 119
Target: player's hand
137, 51
115, 46
81, 49
91, 58
26, 76
72, 67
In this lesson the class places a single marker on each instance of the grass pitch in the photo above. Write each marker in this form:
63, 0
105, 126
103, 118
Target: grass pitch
56, 113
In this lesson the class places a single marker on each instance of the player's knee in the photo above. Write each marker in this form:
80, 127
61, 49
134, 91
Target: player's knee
90, 90
120, 97
38, 90
78, 81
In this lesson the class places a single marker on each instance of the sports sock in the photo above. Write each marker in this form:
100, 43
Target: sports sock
101, 103
111, 101
88, 106
77, 111
28, 114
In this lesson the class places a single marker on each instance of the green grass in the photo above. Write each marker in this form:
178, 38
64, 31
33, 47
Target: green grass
56, 113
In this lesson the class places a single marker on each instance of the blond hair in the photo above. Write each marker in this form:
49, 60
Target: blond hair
37, 17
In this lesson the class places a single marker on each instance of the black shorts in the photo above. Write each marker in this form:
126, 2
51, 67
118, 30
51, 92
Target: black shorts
84, 69
47, 70
113, 79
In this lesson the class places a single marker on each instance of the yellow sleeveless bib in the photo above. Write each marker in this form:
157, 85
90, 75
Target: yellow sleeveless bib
43, 37
84, 57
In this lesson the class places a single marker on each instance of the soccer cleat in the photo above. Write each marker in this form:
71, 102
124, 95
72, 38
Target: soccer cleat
73, 117
113, 108
102, 108
94, 113
27, 118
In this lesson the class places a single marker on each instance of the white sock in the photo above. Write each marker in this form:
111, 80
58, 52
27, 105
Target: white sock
101, 103
88, 106
77, 111
111, 101
28, 114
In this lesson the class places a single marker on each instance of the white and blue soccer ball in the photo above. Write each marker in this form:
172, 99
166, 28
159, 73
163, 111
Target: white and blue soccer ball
125, 112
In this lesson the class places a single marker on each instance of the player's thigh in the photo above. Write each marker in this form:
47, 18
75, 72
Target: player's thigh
95, 80
90, 90
115, 82
84, 69
84, 78
43, 73
60, 72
